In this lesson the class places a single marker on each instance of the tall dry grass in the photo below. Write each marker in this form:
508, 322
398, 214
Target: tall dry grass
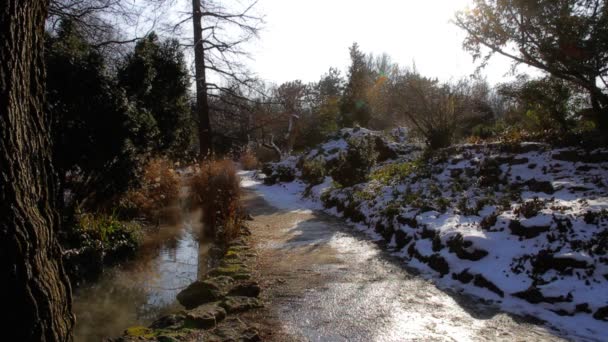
158, 192
216, 188
248, 160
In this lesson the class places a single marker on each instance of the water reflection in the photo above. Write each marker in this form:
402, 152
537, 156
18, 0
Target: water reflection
144, 288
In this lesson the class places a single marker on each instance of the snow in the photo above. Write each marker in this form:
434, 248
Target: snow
565, 233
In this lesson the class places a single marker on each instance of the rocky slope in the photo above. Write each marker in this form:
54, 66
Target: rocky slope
524, 225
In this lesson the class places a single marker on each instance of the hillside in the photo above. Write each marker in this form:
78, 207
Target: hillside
523, 225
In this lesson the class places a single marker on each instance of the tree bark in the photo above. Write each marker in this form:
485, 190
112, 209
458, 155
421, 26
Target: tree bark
202, 104
35, 289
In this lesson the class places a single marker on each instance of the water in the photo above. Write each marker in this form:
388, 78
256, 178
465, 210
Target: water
144, 288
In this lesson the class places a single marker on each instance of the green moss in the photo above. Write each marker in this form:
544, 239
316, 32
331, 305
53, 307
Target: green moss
140, 331
393, 172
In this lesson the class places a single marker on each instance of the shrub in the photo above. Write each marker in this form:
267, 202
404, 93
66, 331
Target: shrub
159, 189
354, 165
393, 172
95, 240
248, 160
278, 173
216, 188
313, 171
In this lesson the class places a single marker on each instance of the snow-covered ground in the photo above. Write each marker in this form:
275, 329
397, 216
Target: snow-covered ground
524, 226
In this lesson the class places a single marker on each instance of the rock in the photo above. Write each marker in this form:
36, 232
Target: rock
412, 222
481, 281
464, 277
535, 296
601, 314
247, 289
545, 261
583, 307
401, 238
234, 329
234, 271
234, 304
201, 292
168, 321
455, 173
384, 151
526, 232
438, 263
205, 316
539, 186
463, 249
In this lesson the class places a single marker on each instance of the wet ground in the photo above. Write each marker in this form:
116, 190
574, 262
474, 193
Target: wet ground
144, 288
323, 281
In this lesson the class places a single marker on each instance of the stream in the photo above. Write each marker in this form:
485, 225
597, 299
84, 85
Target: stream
144, 288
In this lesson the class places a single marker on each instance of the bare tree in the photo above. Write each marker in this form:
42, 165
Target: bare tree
218, 36
35, 286
434, 110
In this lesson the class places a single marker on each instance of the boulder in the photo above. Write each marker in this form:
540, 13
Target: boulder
526, 232
464, 249
535, 296
601, 314
438, 263
481, 281
205, 291
246, 289
205, 316
234, 304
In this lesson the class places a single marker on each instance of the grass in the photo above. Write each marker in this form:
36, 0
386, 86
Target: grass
216, 188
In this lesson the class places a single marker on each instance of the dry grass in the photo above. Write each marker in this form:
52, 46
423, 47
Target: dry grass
249, 161
216, 188
159, 190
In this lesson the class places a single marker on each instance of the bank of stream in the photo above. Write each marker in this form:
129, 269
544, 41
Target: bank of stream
144, 288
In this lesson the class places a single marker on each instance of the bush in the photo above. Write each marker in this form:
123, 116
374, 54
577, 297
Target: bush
354, 165
313, 171
216, 188
248, 160
95, 240
278, 173
159, 189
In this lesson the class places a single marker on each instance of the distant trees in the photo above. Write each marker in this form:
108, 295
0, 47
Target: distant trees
433, 110
567, 39
35, 286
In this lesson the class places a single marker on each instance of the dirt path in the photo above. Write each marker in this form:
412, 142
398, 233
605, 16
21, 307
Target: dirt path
325, 282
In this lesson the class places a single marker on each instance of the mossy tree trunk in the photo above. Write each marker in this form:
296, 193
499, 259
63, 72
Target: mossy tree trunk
35, 292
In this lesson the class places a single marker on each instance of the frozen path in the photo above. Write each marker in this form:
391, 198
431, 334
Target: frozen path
324, 281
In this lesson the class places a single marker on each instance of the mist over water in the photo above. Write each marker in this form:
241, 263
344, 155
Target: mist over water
144, 288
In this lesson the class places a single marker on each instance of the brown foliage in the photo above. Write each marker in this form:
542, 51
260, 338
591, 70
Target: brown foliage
248, 160
216, 188
159, 190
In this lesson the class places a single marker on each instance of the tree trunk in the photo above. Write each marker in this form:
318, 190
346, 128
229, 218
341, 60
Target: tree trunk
202, 104
35, 289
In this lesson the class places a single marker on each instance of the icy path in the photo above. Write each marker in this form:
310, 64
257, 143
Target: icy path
325, 282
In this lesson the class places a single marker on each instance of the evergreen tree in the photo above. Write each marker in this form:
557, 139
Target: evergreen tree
156, 79
355, 108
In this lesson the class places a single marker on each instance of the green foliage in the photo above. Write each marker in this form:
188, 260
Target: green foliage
354, 166
566, 39
355, 108
155, 77
98, 134
394, 172
313, 171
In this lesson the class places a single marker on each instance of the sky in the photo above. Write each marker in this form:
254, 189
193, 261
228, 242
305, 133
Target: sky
302, 39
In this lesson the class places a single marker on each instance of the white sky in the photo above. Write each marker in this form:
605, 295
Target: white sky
302, 39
